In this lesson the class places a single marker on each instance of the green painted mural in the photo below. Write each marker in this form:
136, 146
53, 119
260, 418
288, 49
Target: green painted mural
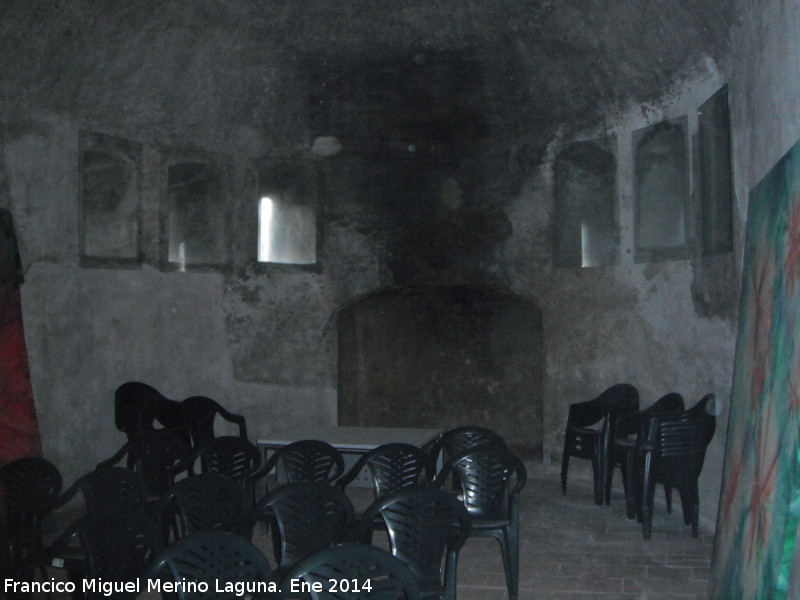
757, 524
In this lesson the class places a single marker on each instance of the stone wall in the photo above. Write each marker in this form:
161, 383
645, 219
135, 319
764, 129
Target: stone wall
449, 121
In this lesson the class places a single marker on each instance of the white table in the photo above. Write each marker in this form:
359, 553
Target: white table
350, 441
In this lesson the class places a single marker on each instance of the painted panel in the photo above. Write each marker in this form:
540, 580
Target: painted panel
757, 518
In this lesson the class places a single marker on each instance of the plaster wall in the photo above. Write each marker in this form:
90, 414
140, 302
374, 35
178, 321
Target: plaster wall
90, 329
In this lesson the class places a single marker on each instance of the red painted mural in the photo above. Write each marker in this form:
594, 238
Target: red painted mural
19, 429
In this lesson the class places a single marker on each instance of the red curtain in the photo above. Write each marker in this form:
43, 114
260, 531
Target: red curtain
19, 429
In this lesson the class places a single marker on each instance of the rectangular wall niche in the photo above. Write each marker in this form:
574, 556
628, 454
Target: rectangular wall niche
110, 185
585, 193
287, 213
714, 171
662, 191
194, 213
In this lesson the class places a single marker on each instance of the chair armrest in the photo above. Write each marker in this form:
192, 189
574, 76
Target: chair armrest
110, 462
439, 478
436, 448
522, 477
180, 467
67, 495
60, 545
264, 469
271, 463
623, 443
590, 431
235, 419
350, 475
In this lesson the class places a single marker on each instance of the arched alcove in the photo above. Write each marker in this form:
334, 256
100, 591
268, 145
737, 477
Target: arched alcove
443, 356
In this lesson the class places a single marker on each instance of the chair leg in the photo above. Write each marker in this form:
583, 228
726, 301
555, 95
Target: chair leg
686, 504
668, 498
694, 508
597, 473
607, 480
648, 491
509, 548
631, 486
564, 468
451, 577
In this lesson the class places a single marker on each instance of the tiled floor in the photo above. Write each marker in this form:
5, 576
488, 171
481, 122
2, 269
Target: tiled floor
572, 549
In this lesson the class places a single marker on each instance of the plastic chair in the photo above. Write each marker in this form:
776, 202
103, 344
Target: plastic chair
206, 501
115, 544
31, 486
455, 441
392, 467
198, 414
673, 453
587, 433
426, 528
491, 479
220, 559
305, 517
351, 565
158, 456
233, 457
306, 460
625, 430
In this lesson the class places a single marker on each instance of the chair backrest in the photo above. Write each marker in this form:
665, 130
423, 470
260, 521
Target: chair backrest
306, 517
31, 486
307, 460
118, 542
706, 405
232, 456
634, 422
218, 559
678, 442
455, 441
157, 455
490, 479
351, 566
135, 407
199, 413
393, 467
30, 483
107, 487
206, 501
619, 397
424, 525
